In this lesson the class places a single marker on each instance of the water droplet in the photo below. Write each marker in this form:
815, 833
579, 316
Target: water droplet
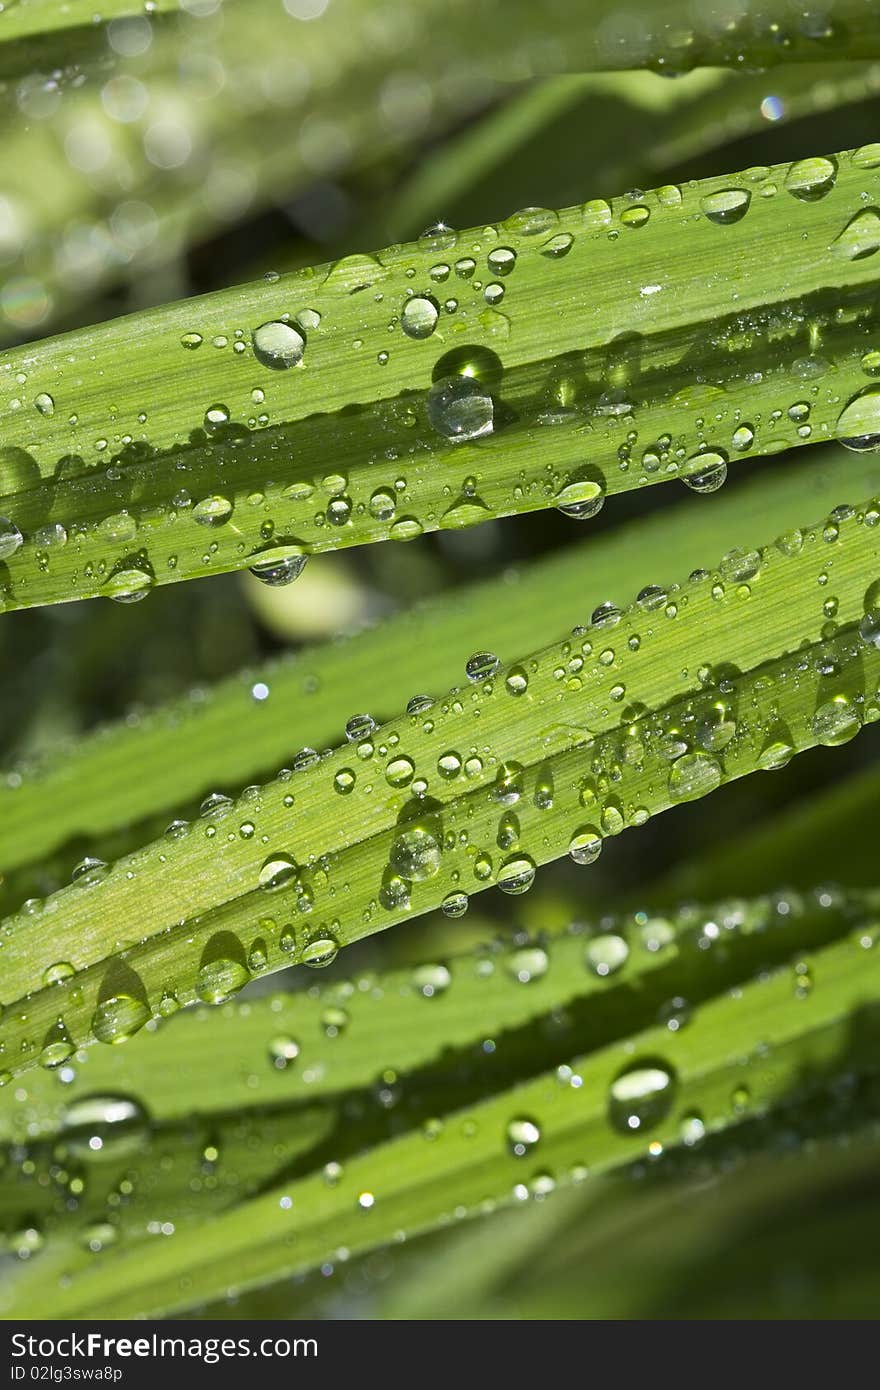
278, 871
282, 1051
320, 951
636, 216
10, 538
743, 437
706, 472
835, 722
191, 341
531, 221
438, 237
869, 628
278, 345
694, 775
44, 403
858, 425
88, 872
129, 584
810, 179
304, 759
104, 1126
118, 1018
502, 260
528, 963
278, 565
522, 1136
460, 408
454, 905
581, 499
606, 954
382, 505
400, 771
715, 726
481, 666
419, 316
415, 853
359, 726
597, 214
57, 1046
216, 416
860, 237
726, 205
55, 974
220, 978
517, 874
212, 511
640, 1097
558, 246
431, 980
516, 681
585, 845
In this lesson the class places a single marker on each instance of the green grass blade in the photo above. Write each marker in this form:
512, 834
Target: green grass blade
707, 1077
166, 761
142, 454
597, 733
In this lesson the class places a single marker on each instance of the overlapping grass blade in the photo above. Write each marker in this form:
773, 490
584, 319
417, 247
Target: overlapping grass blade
244, 729
692, 686
728, 318
595, 1112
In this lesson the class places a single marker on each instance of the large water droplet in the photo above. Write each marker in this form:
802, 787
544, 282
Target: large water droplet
129, 584
481, 666
278, 345
460, 408
641, 1096
860, 237
220, 978
522, 1136
320, 951
212, 511
277, 871
810, 179
278, 565
517, 874
706, 472
119, 1017
858, 424
580, 499
419, 316
57, 1046
836, 722
726, 205
606, 954
694, 775
10, 538
415, 853
104, 1126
